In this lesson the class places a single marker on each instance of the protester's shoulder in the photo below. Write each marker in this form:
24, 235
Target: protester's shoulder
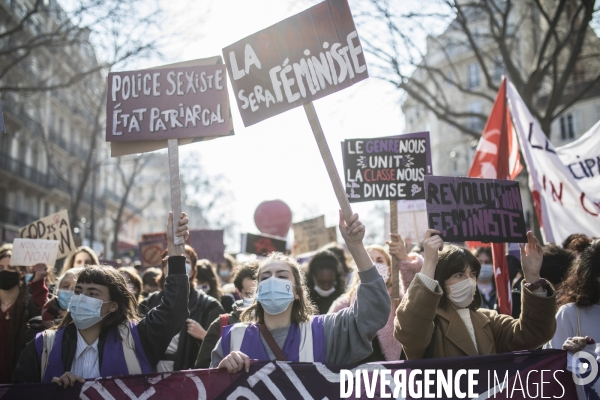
566, 310
491, 314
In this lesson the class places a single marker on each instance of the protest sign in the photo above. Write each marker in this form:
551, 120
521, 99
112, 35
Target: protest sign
300, 59
262, 245
151, 253
28, 252
208, 244
387, 168
412, 220
312, 234
52, 227
488, 210
517, 376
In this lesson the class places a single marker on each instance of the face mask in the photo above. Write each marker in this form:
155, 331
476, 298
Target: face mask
487, 272
8, 279
275, 295
188, 268
248, 301
204, 288
64, 297
324, 293
462, 293
223, 273
28, 278
384, 271
86, 310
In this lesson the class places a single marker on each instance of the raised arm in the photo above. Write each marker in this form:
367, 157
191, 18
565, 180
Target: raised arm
349, 332
163, 322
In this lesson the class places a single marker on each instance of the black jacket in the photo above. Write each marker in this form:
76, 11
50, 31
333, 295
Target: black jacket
213, 334
203, 309
155, 330
324, 303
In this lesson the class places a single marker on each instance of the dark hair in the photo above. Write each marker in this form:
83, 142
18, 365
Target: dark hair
454, 259
556, 264
338, 250
127, 309
514, 266
133, 278
581, 286
230, 261
326, 260
576, 242
190, 252
484, 250
302, 308
149, 276
205, 272
243, 271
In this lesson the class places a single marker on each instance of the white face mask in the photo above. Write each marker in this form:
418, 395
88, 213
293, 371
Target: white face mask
188, 268
383, 270
487, 272
462, 293
86, 310
324, 293
247, 301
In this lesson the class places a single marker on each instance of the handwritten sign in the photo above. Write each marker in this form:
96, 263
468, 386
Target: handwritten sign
168, 103
487, 210
52, 227
28, 252
208, 244
312, 234
261, 244
300, 59
387, 168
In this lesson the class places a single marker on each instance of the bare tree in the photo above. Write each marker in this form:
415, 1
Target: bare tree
546, 47
128, 170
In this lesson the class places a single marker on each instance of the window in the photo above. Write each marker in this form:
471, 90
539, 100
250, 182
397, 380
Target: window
475, 123
22, 151
473, 75
498, 70
566, 127
35, 155
5, 143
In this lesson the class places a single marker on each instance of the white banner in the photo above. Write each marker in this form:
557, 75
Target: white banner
562, 207
582, 158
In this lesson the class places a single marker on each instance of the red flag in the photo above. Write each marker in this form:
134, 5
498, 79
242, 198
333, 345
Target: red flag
497, 157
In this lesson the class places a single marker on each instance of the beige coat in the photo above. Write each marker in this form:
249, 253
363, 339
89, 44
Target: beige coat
494, 333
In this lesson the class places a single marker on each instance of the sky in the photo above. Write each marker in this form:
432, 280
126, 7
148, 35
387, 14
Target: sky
278, 158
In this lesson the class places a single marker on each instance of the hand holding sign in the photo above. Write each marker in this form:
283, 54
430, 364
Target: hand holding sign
397, 247
531, 258
432, 244
353, 232
181, 231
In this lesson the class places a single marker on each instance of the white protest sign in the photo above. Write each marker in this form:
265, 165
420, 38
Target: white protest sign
28, 252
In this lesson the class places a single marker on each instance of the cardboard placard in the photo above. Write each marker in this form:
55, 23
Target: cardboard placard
151, 253
412, 221
208, 244
387, 168
261, 244
28, 252
118, 149
300, 59
487, 210
312, 234
53, 227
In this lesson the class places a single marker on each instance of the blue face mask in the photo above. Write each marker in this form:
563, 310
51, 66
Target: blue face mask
275, 295
28, 278
63, 298
86, 311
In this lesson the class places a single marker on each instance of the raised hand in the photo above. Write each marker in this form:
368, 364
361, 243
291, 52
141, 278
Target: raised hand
432, 244
40, 272
354, 231
397, 247
182, 231
531, 258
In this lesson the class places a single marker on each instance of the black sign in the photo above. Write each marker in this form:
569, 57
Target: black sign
261, 244
389, 168
485, 210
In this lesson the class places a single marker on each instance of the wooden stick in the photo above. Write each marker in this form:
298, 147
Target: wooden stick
175, 190
336, 182
395, 260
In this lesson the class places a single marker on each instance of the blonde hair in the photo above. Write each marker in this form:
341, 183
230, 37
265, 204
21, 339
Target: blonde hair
302, 308
71, 259
351, 292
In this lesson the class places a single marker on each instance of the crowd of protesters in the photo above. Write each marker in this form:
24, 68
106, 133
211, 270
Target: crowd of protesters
94, 320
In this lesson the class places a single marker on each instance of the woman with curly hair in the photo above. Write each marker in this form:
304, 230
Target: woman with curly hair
281, 323
577, 319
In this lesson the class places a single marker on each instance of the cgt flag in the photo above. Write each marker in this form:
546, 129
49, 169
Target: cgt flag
497, 157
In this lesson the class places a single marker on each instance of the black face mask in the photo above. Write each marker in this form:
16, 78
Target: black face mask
9, 279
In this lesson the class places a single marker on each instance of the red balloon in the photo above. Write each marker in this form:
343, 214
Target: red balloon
273, 217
